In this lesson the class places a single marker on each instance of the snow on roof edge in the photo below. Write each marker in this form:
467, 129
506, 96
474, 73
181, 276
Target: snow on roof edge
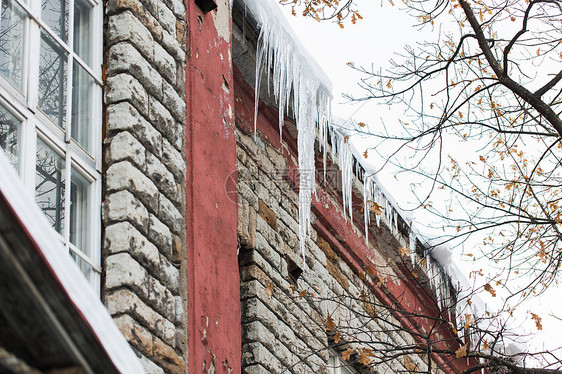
67, 272
267, 13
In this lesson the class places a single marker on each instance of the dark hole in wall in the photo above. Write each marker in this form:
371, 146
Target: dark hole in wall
206, 5
294, 270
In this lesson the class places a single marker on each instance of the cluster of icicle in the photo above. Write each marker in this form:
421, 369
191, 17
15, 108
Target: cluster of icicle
454, 297
299, 84
372, 194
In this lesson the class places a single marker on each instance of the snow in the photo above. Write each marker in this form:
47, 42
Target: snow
67, 272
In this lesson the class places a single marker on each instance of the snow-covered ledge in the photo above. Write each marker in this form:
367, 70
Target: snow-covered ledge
37, 241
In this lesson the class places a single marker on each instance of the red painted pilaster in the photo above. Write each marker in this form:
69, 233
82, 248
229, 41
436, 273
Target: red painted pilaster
212, 215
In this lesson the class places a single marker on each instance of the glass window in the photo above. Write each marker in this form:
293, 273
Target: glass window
79, 208
52, 80
83, 30
50, 184
80, 219
11, 42
10, 135
55, 14
82, 86
50, 115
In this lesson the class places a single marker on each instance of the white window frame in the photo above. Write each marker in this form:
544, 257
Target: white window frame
35, 124
337, 366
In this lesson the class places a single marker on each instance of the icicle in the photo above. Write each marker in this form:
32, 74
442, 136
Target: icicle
367, 206
291, 70
413, 238
345, 161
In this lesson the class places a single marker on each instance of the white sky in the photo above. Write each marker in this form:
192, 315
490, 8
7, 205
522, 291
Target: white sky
383, 32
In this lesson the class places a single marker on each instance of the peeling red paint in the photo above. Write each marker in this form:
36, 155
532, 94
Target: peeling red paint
213, 278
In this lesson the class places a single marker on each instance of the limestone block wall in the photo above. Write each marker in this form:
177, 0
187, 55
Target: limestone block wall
283, 319
144, 178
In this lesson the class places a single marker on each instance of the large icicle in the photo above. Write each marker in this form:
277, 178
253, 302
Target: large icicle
294, 74
342, 154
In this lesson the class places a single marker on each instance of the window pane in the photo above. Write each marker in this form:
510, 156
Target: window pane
82, 30
83, 265
82, 86
55, 15
52, 80
79, 212
10, 128
49, 184
11, 42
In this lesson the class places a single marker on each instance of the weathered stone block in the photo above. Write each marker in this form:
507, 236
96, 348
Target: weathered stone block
123, 116
123, 206
178, 7
170, 44
264, 248
123, 271
124, 58
255, 369
257, 353
271, 236
166, 18
150, 346
140, 11
164, 63
163, 178
122, 237
170, 215
246, 192
150, 367
160, 234
246, 225
135, 334
173, 102
125, 301
124, 176
181, 77
123, 87
168, 358
325, 247
289, 221
165, 123
335, 272
124, 146
126, 27
179, 310
267, 214
278, 160
287, 236
174, 161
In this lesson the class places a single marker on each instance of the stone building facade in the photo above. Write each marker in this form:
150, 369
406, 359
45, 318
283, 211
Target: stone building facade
143, 251
287, 299
200, 264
